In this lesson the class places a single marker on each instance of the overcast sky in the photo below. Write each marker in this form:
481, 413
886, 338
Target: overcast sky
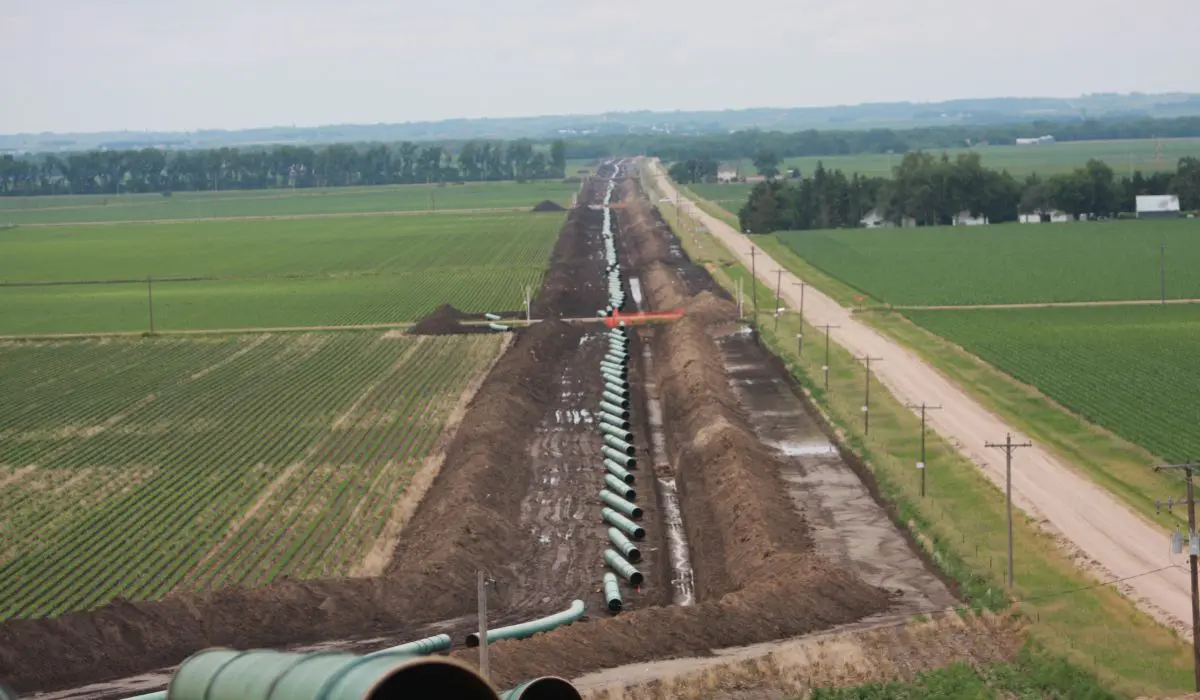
91, 65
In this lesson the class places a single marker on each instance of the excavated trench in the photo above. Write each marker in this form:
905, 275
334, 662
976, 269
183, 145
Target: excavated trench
728, 530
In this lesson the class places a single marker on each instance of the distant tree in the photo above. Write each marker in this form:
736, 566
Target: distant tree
767, 164
558, 158
1186, 183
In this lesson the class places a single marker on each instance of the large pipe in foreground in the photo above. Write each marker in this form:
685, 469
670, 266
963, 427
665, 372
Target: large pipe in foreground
614, 368
619, 457
546, 688
620, 445
612, 592
613, 409
622, 382
622, 523
618, 400
619, 472
420, 647
498, 327
614, 421
620, 488
624, 544
532, 627
225, 674
614, 500
619, 356
627, 570
617, 390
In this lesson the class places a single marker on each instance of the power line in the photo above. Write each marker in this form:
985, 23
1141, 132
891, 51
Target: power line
1009, 446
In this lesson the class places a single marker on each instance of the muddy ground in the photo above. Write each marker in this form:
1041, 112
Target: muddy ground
517, 496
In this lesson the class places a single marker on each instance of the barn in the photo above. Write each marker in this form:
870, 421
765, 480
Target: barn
1158, 206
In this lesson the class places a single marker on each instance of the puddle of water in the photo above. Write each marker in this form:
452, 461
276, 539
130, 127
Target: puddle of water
683, 580
805, 449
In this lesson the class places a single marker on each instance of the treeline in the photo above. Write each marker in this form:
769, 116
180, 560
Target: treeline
155, 170
746, 144
930, 191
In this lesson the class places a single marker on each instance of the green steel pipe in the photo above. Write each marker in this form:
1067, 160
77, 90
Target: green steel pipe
498, 327
619, 457
546, 688
225, 674
620, 357
618, 390
615, 501
620, 488
623, 543
420, 647
614, 368
612, 592
619, 472
618, 347
619, 433
532, 627
160, 695
627, 570
492, 317
610, 378
619, 444
622, 523
614, 421
615, 399
621, 362
618, 333
613, 409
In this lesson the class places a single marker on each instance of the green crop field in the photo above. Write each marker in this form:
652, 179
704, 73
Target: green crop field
198, 463
1123, 156
251, 274
1130, 369
244, 203
1011, 263
730, 197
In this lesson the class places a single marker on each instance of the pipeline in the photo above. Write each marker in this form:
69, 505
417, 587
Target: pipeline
614, 410
547, 688
619, 472
614, 421
614, 368
615, 501
620, 488
610, 378
492, 317
428, 645
618, 400
619, 433
612, 592
226, 674
623, 543
620, 445
617, 390
532, 627
623, 524
619, 457
498, 327
627, 570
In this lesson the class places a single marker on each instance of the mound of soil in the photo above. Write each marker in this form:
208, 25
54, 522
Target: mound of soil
445, 321
709, 308
547, 205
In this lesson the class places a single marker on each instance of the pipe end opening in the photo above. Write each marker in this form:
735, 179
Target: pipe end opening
430, 679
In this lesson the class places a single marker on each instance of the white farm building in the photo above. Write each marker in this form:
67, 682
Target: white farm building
1154, 206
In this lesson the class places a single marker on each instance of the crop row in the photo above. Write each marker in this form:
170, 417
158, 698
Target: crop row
1128, 369
252, 458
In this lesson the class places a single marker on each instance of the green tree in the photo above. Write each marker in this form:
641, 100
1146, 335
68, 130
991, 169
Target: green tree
767, 164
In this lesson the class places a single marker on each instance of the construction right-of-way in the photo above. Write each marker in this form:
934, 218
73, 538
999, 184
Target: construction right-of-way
1122, 544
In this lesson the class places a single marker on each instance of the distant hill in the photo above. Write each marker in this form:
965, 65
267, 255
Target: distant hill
894, 115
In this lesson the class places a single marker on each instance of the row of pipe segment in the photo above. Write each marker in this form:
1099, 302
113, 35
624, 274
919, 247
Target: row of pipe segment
262, 674
618, 494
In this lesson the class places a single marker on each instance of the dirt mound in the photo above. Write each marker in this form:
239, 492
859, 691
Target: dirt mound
445, 321
710, 308
547, 205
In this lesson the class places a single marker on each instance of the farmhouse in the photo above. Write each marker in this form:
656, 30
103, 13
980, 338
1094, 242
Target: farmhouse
964, 218
1035, 142
727, 173
1157, 206
1051, 217
875, 220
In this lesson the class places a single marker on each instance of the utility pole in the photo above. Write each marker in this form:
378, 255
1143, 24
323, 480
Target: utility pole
754, 282
1162, 271
778, 291
1008, 446
866, 407
825, 367
800, 336
150, 301
1193, 550
922, 464
482, 581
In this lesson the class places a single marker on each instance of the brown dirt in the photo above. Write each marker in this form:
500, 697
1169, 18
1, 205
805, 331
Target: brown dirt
547, 205
574, 286
444, 320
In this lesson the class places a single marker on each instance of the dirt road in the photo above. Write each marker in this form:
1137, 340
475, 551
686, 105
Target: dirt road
1086, 516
